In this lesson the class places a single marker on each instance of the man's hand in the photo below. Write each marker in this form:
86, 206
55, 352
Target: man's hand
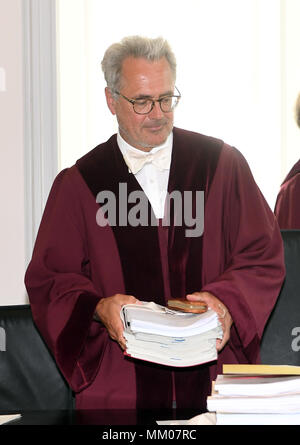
108, 311
216, 305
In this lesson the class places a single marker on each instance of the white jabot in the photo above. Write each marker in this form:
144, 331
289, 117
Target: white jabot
151, 169
136, 159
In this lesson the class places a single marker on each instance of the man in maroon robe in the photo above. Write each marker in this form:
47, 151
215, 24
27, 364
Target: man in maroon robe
287, 207
82, 272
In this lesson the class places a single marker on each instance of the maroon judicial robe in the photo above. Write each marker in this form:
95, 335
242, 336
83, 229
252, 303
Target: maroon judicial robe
239, 258
287, 207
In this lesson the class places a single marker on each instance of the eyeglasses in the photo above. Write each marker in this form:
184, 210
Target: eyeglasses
145, 106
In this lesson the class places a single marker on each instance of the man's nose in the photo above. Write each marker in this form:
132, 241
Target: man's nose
156, 112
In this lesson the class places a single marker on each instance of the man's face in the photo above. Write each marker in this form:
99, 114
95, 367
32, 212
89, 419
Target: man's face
140, 79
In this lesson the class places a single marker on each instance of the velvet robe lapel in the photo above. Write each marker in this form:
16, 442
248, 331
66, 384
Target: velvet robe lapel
194, 161
138, 246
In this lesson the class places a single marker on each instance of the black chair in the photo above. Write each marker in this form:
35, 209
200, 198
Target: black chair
29, 377
281, 339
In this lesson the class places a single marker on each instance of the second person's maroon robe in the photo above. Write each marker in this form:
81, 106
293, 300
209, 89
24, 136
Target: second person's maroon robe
287, 207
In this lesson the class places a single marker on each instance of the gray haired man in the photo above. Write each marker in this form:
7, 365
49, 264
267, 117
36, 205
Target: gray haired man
82, 272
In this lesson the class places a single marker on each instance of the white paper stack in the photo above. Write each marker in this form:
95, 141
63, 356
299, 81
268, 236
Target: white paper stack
157, 334
256, 400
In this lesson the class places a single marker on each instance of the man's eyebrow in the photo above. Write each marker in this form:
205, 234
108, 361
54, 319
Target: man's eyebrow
146, 96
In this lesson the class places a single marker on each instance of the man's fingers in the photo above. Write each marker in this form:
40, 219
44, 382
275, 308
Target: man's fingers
223, 314
208, 298
125, 299
212, 301
108, 312
197, 296
220, 343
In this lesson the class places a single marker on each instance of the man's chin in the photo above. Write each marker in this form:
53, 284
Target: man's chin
152, 143
147, 140
155, 137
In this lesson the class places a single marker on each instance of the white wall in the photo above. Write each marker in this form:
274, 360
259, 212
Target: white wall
238, 72
291, 80
12, 242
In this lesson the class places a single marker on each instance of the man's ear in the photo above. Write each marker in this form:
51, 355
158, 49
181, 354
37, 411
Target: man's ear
111, 102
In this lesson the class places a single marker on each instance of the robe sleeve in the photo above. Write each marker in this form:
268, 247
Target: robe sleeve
244, 259
287, 208
61, 294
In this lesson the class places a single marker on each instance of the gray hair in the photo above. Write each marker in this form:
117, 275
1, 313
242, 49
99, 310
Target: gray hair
297, 111
138, 47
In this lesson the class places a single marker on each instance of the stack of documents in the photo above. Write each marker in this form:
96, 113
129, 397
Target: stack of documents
271, 396
157, 334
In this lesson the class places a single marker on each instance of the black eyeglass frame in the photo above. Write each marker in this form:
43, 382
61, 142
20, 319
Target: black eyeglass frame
133, 101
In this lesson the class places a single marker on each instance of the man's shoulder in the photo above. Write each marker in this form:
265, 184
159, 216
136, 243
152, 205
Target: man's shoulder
292, 184
72, 176
200, 146
97, 152
293, 173
195, 139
